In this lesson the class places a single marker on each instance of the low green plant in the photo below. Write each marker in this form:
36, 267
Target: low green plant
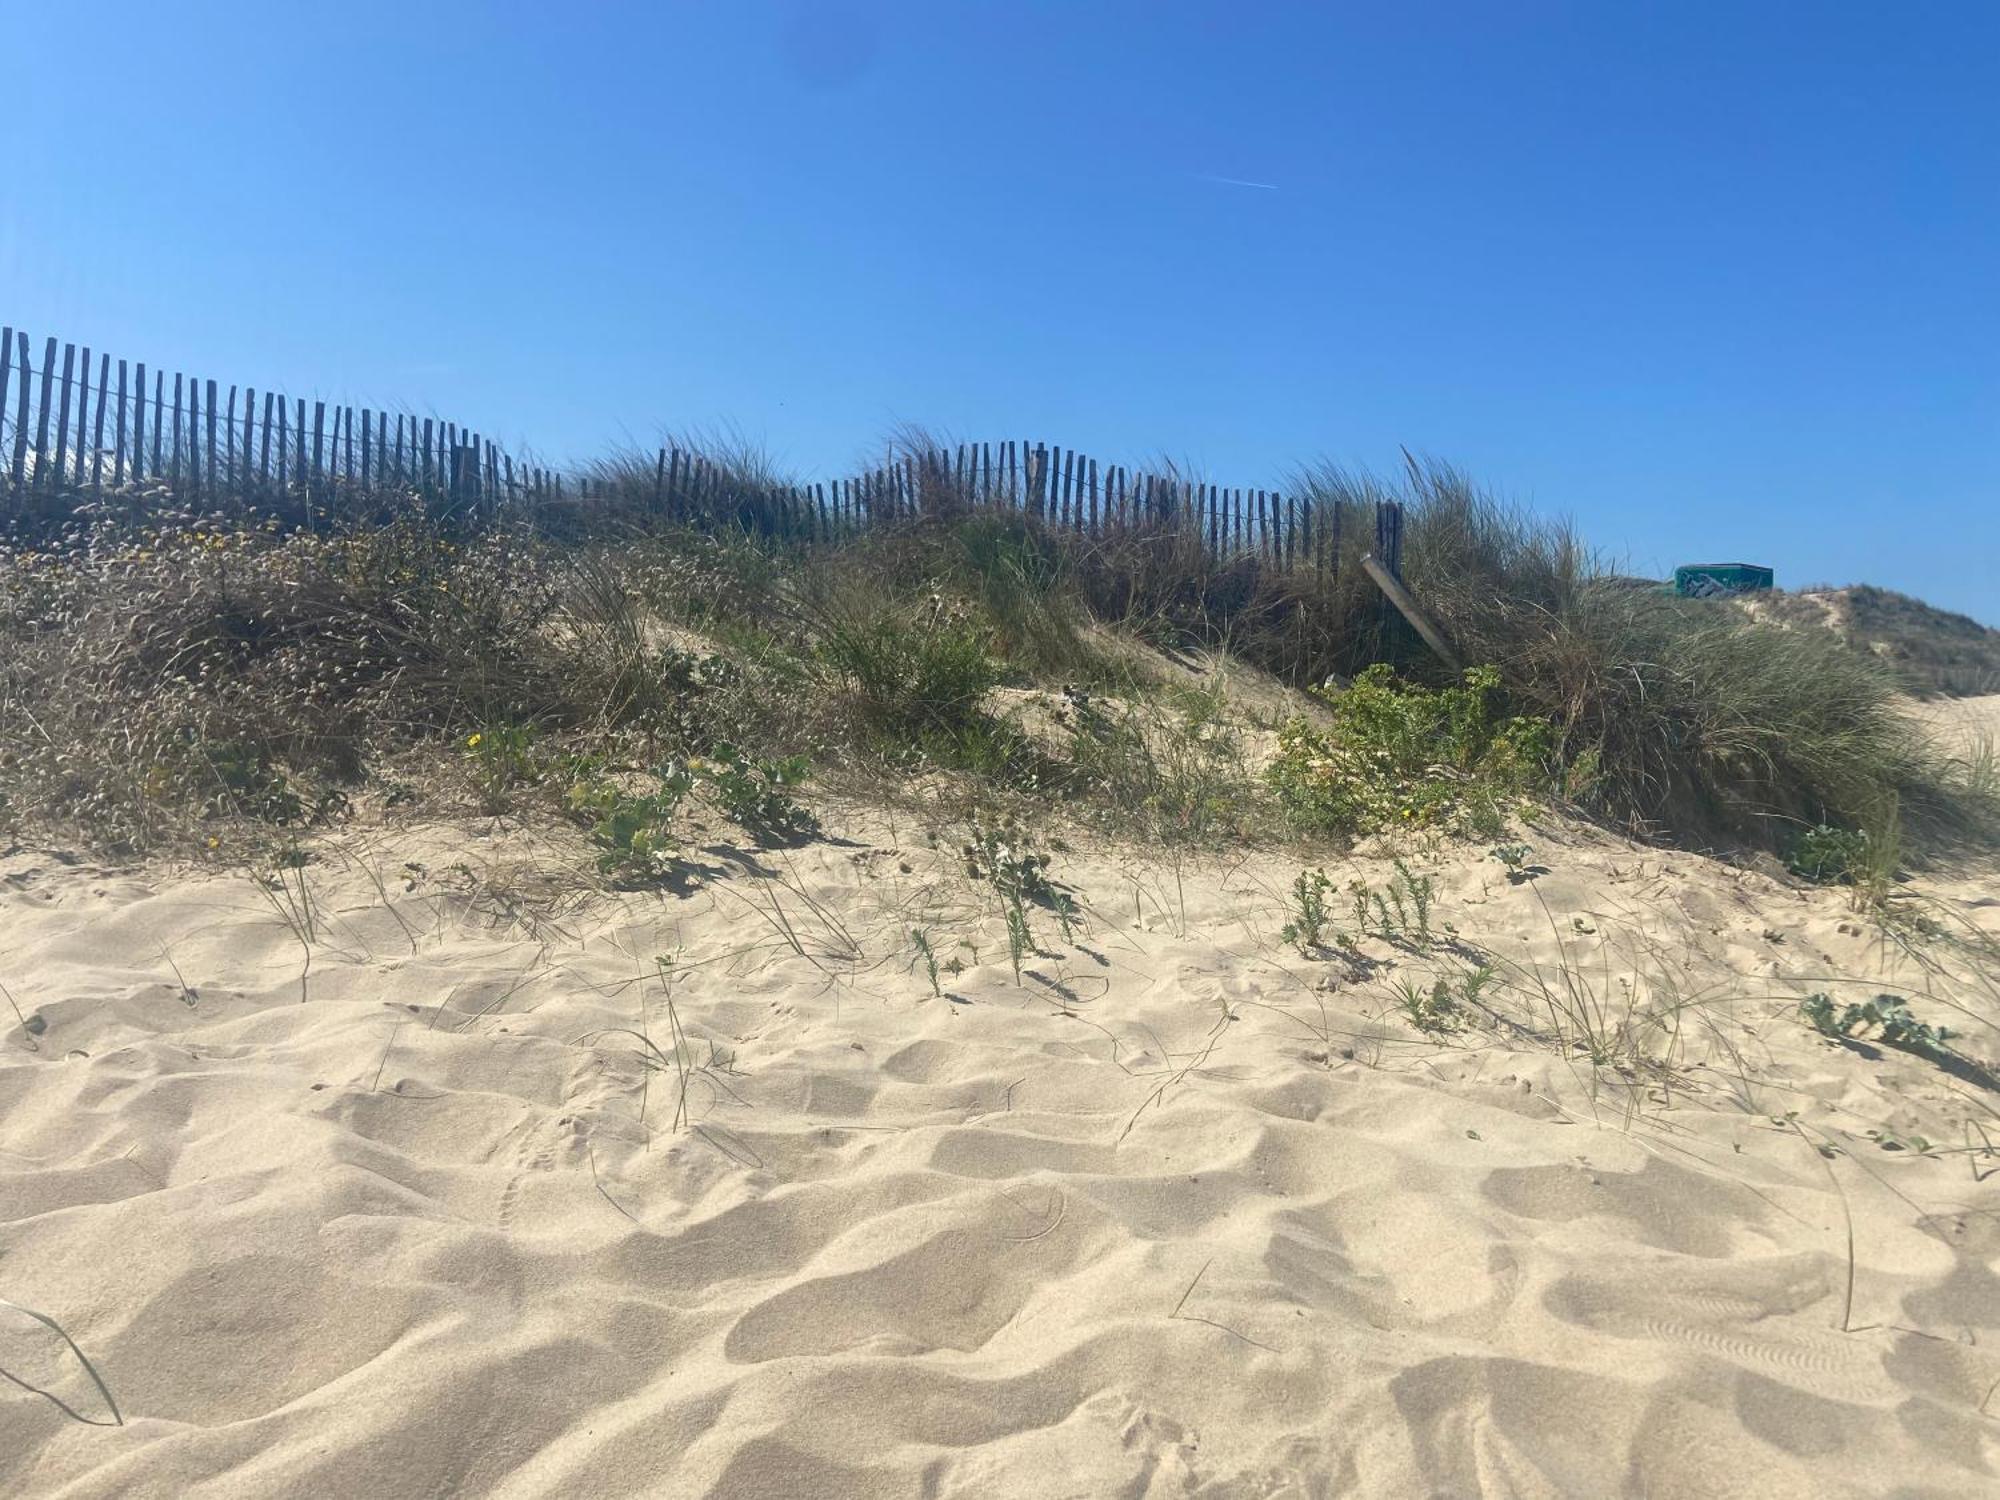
1515, 858
1434, 1011
632, 832
245, 783
1307, 928
755, 793
1400, 910
1888, 1017
1399, 754
1829, 855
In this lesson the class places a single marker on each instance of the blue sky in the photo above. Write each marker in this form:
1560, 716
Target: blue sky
1718, 280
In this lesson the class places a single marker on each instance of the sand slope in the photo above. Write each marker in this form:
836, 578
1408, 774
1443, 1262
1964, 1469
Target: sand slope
1181, 1214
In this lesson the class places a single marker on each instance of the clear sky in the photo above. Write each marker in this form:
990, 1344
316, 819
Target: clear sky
1719, 280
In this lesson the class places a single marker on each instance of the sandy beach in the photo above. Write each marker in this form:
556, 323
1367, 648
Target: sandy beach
517, 1192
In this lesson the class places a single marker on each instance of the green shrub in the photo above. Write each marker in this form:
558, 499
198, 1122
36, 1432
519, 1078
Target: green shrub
633, 832
754, 793
1830, 855
922, 676
1399, 753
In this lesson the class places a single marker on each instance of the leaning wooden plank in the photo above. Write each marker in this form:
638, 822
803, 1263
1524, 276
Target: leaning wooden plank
1407, 606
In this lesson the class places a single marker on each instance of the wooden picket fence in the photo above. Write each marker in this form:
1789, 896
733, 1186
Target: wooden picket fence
71, 444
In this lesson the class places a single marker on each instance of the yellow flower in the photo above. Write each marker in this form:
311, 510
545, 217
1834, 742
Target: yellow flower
214, 842
696, 764
472, 741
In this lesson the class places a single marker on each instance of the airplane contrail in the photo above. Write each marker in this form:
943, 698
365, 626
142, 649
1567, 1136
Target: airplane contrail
1269, 187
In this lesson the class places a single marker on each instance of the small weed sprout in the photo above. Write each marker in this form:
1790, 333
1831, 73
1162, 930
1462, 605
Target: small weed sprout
1020, 942
1515, 857
1307, 928
500, 757
920, 939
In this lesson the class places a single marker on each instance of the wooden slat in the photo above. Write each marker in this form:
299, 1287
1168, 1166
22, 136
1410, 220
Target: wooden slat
139, 422
317, 473
82, 419
194, 436
17, 473
209, 463
59, 471
42, 421
159, 422
97, 431
367, 447
6, 378
430, 477
179, 380
194, 464
249, 438
118, 453
264, 446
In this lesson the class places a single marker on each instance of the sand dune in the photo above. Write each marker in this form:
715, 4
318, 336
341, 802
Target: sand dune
1181, 1213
